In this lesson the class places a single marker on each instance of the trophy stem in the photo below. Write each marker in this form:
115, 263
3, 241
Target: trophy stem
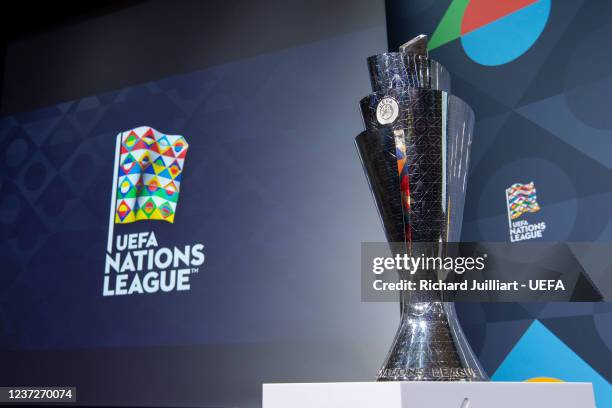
429, 344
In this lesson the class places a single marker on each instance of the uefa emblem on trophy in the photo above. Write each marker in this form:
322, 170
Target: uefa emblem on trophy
415, 152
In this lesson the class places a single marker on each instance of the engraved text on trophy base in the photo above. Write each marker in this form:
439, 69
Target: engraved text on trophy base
430, 373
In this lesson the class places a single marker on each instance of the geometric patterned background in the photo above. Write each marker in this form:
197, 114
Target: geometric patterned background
543, 117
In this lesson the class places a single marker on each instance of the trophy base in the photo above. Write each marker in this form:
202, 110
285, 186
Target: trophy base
428, 395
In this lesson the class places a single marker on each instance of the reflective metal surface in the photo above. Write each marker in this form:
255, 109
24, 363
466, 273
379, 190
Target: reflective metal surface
434, 162
416, 46
398, 70
415, 153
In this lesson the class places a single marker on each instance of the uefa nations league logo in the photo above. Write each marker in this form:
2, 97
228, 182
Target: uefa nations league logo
147, 180
522, 199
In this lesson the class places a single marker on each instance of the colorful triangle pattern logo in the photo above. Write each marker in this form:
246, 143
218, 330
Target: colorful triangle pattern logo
149, 175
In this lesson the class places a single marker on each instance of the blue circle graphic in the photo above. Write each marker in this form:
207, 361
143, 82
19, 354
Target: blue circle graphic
506, 39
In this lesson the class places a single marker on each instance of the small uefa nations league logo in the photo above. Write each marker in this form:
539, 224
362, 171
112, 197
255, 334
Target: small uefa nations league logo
522, 199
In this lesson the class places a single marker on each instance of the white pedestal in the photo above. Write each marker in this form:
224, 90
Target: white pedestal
429, 395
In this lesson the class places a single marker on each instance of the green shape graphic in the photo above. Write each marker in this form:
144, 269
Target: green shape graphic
450, 25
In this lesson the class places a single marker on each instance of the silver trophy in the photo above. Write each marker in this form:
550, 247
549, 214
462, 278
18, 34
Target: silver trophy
415, 153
